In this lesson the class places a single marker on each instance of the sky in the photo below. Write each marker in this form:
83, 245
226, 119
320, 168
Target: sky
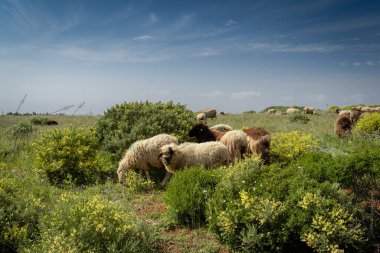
234, 56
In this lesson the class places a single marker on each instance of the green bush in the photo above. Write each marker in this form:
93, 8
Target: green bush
299, 118
21, 130
268, 209
368, 124
92, 223
187, 193
288, 146
125, 123
22, 202
39, 120
71, 155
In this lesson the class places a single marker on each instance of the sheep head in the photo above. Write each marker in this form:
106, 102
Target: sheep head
202, 133
166, 155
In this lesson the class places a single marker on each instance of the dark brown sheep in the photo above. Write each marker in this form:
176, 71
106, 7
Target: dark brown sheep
203, 134
345, 122
258, 142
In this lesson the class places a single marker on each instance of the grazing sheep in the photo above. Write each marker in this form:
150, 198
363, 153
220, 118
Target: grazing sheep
208, 154
308, 110
222, 127
236, 143
367, 109
292, 111
345, 112
142, 155
271, 111
260, 146
345, 122
258, 142
201, 117
203, 134
210, 113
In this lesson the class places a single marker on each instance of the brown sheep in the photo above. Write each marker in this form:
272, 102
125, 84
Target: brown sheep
203, 134
345, 122
308, 110
258, 142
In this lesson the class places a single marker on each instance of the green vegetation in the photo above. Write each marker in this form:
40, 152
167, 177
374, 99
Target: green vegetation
368, 124
320, 194
126, 123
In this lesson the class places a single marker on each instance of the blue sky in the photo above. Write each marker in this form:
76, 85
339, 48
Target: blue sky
231, 55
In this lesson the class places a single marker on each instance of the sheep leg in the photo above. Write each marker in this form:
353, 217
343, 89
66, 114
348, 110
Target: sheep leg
147, 174
166, 178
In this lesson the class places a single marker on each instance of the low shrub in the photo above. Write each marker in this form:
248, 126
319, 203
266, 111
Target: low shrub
39, 120
136, 182
22, 202
273, 209
368, 124
187, 193
299, 118
72, 155
21, 130
288, 146
92, 223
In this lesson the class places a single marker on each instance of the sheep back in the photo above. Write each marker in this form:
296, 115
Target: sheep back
236, 143
143, 154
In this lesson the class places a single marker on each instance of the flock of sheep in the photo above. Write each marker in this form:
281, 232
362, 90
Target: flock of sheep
216, 146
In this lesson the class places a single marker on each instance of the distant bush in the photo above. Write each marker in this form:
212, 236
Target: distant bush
123, 124
72, 155
92, 223
368, 124
299, 118
333, 108
187, 193
39, 120
21, 130
287, 146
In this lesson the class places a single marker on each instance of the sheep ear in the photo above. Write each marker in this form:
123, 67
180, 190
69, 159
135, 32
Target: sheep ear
171, 150
159, 155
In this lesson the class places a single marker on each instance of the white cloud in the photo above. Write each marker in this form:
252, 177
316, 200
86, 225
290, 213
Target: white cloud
245, 94
143, 37
212, 94
287, 48
370, 63
357, 64
207, 52
230, 23
153, 19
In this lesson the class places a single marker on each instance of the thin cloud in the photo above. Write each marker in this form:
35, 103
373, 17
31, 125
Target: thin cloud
230, 23
287, 48
370, 63
212, 94
153, 19
245, 94
207, 52
143, 37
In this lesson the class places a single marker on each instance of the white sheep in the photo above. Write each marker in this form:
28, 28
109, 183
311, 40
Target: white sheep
236, 143
292, 111
208, 154
142, 155
345, 112
210, 113
201, 117
271, 111
221, 127
308, 110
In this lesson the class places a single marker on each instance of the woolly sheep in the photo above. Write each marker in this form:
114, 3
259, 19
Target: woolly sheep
203, 134
209, 155
210, 113
367, 109
292, 111
345, 122
258, 142
142, 155
236, 143
271, 111
345, 112
308, 110
201, 117
222, 127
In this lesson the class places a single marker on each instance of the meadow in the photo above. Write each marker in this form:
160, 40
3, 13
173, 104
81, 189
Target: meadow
37, 215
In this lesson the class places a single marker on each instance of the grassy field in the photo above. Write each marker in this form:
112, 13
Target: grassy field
17, 164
